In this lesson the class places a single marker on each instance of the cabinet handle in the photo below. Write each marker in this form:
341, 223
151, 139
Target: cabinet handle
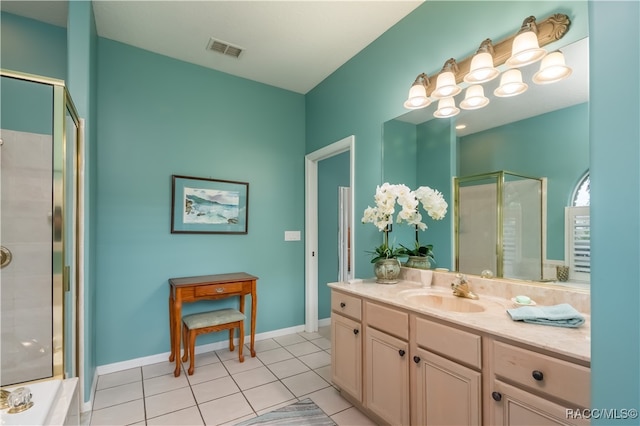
356, 331
497, 396
220, 290
416, 359
401, 352
342, 304
537, 375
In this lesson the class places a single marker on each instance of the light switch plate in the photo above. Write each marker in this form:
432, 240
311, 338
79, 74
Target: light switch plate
292, 235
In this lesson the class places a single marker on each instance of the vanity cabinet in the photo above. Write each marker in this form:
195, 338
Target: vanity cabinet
346, 343
446, 372
386, 357
405, 367
534, 388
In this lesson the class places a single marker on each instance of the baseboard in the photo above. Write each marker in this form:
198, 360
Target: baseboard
88, 405
324, 322
162, 357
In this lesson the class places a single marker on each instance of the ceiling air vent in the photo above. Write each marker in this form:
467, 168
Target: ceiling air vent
224, 48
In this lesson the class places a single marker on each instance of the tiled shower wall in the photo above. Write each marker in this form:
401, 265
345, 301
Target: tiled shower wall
26, 283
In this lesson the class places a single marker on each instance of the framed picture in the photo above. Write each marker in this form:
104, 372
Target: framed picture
208, 206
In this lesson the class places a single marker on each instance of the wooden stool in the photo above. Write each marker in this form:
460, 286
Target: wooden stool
208, 322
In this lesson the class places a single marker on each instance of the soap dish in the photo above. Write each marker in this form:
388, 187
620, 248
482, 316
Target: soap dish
531, 303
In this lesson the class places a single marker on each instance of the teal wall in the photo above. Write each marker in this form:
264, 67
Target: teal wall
82, 84
332, 173
615, 207
30, 47
347, 104
33, 47
399, 166
422, 155
436, 164
553, 145
26, 106
400, 153
156, 117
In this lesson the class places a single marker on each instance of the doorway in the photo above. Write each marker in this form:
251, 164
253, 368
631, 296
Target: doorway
311, 223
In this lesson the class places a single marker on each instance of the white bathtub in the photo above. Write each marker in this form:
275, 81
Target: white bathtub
55, 402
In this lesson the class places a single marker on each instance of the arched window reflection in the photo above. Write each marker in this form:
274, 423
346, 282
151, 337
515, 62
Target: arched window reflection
582, 192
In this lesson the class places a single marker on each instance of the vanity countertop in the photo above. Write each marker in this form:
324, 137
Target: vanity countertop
571, 342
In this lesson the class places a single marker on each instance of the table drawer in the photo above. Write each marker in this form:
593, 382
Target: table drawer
218, 289
455, 344
386, 319
562, 379
346, 305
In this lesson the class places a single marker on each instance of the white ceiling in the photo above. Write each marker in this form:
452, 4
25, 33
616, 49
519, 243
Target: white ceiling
292, 45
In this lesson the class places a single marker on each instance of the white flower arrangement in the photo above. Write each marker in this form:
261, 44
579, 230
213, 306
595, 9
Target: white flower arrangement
388, 195
386, 198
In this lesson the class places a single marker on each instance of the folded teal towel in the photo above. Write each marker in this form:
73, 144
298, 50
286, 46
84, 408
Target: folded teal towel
562, 315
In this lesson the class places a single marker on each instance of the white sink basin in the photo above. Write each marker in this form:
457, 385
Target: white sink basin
442, 301
446, 303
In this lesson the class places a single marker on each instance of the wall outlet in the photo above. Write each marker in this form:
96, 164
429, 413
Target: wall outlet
292, 235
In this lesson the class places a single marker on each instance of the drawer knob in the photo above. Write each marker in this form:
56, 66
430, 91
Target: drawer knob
416, 359
497, 396
401, 352
219, 290
356, 331
537, 375
342, 304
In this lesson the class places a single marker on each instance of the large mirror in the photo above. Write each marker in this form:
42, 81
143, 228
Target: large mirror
541, 133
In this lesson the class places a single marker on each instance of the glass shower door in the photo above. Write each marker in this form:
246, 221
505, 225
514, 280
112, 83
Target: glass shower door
27, 232
498, 225
38, 229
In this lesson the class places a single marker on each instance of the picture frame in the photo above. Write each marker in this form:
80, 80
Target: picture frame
208, 206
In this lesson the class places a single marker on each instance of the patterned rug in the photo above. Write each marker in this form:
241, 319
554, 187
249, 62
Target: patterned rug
301, 413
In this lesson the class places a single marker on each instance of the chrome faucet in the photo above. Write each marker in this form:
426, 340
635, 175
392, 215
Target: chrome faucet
461, 287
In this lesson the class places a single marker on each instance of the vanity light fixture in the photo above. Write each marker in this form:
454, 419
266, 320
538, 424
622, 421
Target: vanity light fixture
511, 84
418, 93
517, 50
526, 49
446, 85
552, 69
446, 108
482, 69
474, 98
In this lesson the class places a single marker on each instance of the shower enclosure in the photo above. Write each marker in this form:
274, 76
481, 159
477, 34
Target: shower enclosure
39, 140
498, 225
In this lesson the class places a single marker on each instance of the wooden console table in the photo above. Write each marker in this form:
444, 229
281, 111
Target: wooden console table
207, 287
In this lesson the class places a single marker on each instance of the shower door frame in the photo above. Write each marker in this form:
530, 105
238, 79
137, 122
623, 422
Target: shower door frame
65, 227
499, 177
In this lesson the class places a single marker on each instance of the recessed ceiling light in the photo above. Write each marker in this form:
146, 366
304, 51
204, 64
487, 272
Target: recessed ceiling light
461, 126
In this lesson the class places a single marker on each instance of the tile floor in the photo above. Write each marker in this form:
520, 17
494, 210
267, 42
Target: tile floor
223, 391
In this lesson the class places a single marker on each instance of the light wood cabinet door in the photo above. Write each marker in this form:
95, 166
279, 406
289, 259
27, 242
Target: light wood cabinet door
387, 376
514, 406
346, 355
444, 392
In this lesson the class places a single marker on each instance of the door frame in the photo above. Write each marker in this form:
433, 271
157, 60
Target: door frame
311, 221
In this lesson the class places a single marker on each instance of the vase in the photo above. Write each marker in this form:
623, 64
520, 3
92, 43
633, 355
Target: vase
387, 271
418, 262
